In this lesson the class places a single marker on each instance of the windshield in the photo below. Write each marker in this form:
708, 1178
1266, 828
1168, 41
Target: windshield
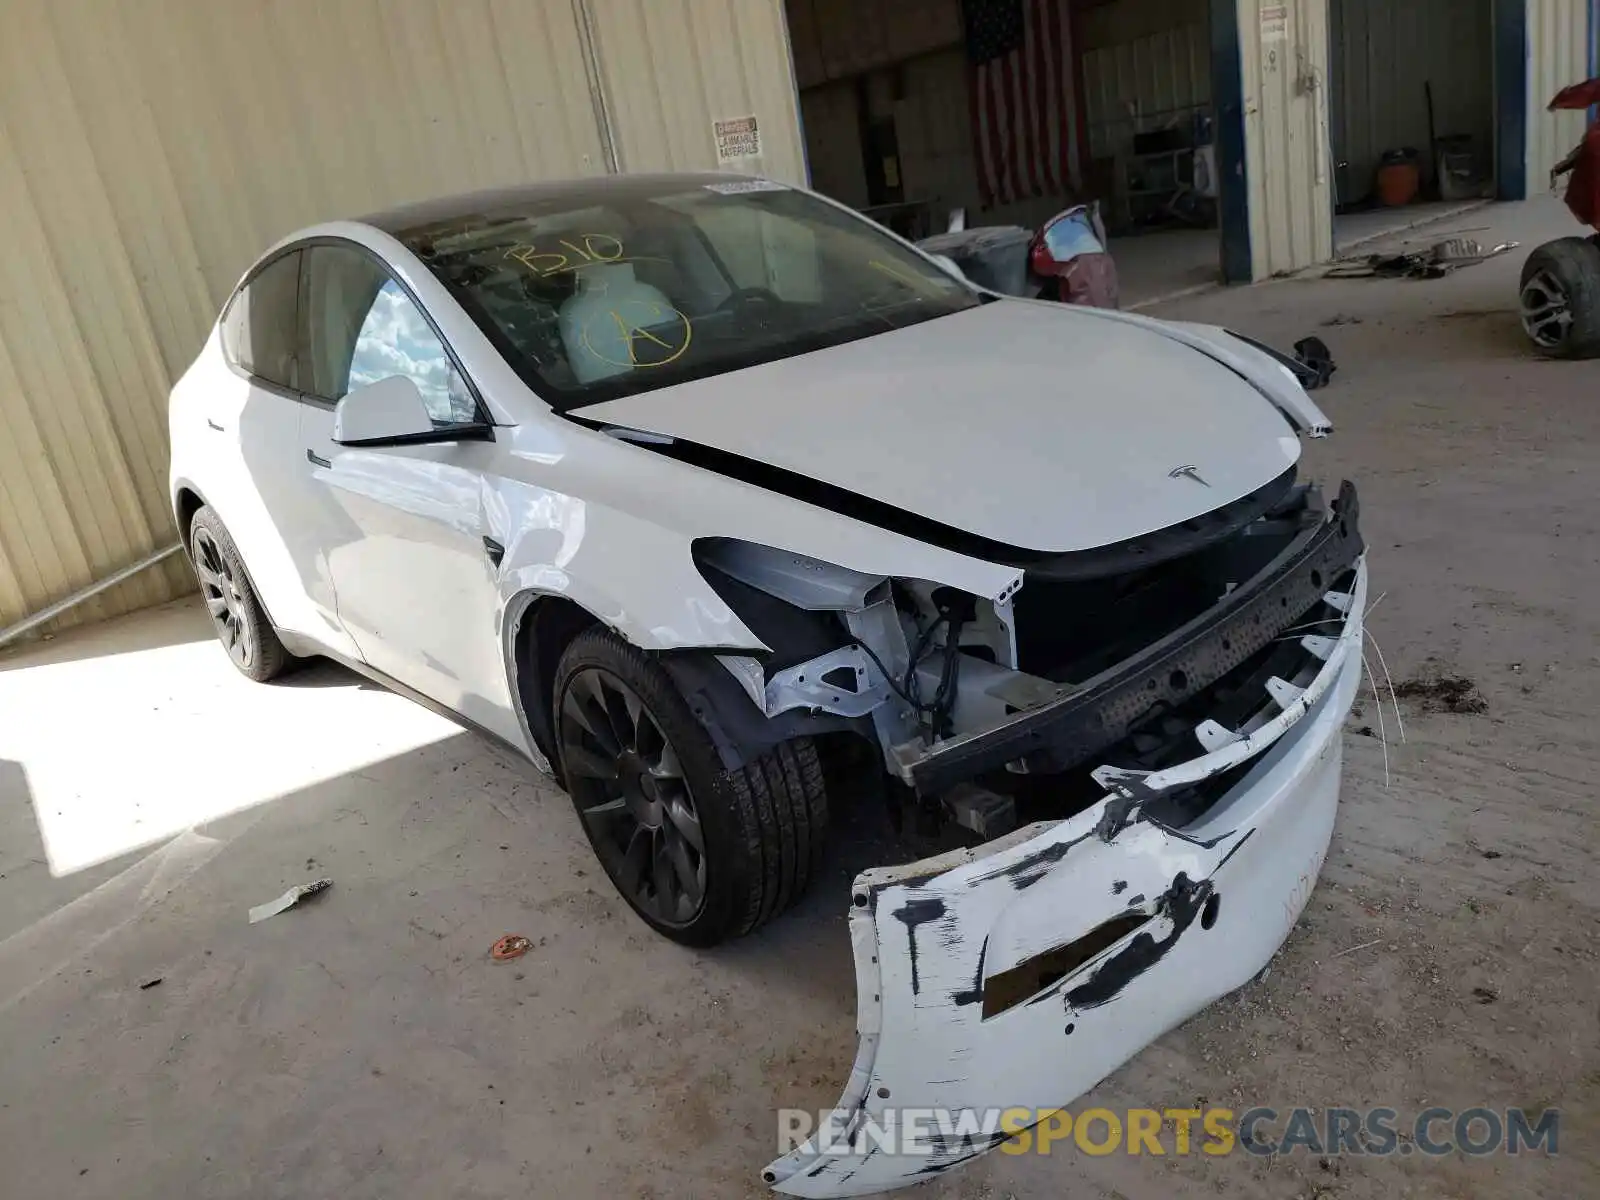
630, 286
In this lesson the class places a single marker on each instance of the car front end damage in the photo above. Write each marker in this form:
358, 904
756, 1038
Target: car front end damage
1140, 747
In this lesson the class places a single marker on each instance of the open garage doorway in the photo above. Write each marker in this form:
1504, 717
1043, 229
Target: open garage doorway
912, 110
1411, 111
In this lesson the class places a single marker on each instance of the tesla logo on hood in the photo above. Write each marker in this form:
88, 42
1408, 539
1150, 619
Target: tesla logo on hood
1188, 472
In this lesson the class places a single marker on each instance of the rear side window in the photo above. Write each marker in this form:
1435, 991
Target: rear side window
260, 327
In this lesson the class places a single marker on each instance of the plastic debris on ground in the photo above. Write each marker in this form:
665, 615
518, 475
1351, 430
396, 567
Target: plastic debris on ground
1313, 354
289, 899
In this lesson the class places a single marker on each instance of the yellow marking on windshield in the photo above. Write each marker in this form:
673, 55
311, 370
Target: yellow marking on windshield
633, 331
587, 249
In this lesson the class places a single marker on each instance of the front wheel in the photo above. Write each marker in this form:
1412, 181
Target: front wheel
701, 853
1561, 298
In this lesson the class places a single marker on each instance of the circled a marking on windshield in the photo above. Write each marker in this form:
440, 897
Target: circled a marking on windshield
650, 342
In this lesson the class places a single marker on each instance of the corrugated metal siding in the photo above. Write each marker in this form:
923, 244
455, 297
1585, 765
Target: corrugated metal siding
933, 125
836, 39
1382, 53
672, 67
1145, 63
1558, 55
831, 119
1286, 136
149, 149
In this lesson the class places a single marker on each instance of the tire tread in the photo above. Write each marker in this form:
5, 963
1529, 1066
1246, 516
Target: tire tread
1575, 262
272, 658
776, 805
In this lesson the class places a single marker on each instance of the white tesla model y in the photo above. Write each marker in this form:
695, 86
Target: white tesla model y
692, 488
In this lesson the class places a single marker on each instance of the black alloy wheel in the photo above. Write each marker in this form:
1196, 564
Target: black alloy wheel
636, 806
703, 850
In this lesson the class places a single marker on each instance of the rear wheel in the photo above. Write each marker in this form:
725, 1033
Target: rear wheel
1561, 298
701, 853
236, 613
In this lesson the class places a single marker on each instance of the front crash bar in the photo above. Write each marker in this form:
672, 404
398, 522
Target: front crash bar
1104, 710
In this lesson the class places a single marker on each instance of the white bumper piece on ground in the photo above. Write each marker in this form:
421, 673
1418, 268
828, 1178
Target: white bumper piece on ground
1203, 908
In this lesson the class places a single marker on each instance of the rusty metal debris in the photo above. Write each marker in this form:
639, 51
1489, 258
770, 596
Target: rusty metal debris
512, 945
1437, 261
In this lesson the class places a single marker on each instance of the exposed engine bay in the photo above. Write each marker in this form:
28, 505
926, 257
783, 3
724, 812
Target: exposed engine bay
1101, 666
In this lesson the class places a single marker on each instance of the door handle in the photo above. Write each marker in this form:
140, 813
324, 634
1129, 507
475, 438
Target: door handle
215, 426
494, 550
317, 460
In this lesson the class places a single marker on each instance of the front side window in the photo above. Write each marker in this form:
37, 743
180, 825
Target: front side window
259, 325
631, 285
361, 326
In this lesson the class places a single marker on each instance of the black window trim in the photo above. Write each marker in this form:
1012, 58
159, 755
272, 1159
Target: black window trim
481, 428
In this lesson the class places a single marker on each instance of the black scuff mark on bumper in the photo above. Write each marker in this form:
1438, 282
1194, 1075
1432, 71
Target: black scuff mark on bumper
913, 913
959, 1150
974, 994
1027, 871
1238, 846
1181, 904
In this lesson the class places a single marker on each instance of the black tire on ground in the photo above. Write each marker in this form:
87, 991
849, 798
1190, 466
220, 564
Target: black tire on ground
236, 614
647, 784
1561, 298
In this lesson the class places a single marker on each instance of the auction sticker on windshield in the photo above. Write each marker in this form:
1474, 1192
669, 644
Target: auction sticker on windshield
738, 187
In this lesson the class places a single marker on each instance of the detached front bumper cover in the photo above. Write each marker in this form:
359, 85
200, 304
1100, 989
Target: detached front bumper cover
1019, 974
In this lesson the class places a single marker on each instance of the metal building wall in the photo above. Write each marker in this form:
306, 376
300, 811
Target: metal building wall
672, 67
1145, 62
909, 57
1382, 52
1559, 54
150, 149
1283, 52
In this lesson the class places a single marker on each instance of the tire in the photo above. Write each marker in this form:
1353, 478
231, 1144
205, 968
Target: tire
236, 614
645, 779
1561, 298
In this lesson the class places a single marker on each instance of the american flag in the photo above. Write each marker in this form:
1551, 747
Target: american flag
1026, 110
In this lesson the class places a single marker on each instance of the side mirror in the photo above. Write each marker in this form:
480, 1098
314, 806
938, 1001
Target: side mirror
388, 412
392, 412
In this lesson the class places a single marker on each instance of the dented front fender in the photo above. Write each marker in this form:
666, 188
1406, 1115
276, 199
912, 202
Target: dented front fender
1021, 974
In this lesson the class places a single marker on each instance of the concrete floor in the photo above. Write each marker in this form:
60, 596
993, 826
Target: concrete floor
1161, 266
1155, 266
365, 1046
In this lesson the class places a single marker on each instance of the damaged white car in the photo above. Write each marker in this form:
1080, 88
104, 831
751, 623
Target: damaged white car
692, 488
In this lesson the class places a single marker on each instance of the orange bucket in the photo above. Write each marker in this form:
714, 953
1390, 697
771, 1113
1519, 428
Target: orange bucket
1398, 181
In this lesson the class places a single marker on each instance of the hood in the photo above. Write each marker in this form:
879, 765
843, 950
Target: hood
1034, 425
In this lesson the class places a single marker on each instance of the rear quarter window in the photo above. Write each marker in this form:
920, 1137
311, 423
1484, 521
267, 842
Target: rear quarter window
260, 325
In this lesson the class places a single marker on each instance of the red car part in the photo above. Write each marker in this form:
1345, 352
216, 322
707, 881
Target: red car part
1583, 190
